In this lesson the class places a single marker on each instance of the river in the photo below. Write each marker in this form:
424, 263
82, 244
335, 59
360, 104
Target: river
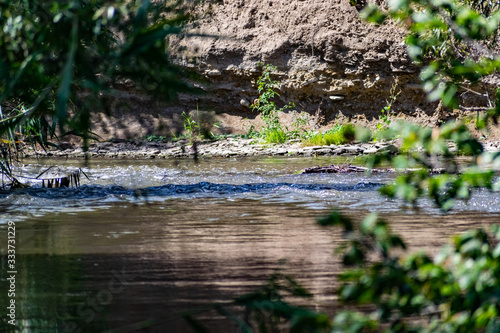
143, 241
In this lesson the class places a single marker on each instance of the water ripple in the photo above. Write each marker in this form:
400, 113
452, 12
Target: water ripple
205, 188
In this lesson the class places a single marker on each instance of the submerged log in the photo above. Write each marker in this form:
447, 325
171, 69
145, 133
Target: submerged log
343, 168
348, 168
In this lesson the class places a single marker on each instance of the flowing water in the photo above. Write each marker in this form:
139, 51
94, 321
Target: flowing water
142, 242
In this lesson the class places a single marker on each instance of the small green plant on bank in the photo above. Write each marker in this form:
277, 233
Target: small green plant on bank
198, 127
385, 117
299, 127
278, 136
251, 133
156, 138
191, 126
268, 88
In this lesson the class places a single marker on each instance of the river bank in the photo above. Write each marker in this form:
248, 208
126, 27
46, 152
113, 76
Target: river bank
228, 147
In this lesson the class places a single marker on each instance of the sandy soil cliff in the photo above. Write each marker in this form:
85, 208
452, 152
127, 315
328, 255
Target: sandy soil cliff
331, 64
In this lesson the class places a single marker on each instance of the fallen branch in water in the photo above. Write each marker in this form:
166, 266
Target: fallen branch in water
343, 168
348, 168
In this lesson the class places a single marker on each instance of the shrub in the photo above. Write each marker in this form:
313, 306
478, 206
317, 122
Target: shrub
268, 88
456, 291
63, 60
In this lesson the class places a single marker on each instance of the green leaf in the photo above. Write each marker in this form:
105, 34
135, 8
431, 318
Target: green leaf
64, 90
415, 52
57, 18
446, 204
368, 224
400, 162
438, 92
363, 134
388, 191
397, 241
428, 72
372, 13
336, 218
448, 96
496, 251
395, 5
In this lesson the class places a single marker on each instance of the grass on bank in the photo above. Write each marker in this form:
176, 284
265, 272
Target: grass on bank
275, 136
338, 135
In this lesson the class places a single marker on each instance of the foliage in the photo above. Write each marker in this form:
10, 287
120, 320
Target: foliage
447, 38
9, 179
456, 291
338, 135
299, 126
268, 88
276, 135
436, 31
484, 7
191, 126
198, 127
63, 60
430, 164
35, 131
251, 133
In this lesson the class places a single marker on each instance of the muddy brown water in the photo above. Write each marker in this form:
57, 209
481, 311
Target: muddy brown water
143, 242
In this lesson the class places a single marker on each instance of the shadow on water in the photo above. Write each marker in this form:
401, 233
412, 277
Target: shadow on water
173, 257
99, 258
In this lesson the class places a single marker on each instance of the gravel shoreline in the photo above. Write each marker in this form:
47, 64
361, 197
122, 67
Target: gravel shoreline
230, 147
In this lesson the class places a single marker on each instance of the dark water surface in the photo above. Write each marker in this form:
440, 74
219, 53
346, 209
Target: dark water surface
143, 241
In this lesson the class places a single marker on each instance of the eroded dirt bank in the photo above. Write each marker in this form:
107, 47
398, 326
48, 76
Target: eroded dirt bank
331, 64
